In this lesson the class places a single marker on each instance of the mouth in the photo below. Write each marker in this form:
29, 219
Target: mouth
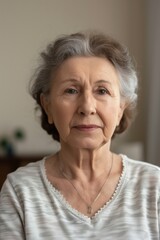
90, 127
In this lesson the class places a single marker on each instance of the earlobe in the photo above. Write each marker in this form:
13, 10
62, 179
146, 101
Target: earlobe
46, 106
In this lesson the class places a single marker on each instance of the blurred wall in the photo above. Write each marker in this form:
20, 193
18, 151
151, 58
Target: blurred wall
25, 29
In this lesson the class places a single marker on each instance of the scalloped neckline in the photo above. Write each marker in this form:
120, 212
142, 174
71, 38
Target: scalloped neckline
67, 205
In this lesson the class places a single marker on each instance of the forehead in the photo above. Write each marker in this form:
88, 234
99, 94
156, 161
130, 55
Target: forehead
80, 68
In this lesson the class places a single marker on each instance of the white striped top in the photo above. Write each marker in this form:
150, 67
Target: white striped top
32, 209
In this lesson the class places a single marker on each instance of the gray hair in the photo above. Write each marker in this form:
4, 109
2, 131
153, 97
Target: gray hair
86, 44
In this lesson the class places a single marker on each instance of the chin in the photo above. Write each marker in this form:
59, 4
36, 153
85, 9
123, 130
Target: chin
92, 145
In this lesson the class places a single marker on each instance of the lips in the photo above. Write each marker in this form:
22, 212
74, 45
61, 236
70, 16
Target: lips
88, 127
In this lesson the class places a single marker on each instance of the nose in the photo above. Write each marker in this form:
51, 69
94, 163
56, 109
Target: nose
87, 104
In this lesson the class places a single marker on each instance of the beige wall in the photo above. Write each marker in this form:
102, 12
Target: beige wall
27, 26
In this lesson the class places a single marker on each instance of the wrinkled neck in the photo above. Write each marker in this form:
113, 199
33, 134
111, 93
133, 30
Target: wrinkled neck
84, 163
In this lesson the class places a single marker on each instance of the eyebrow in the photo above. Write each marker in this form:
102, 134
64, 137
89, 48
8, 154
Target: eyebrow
103, 81
69, 80
72, 80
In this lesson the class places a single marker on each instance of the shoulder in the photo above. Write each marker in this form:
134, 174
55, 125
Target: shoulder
140, 165
25, 176
142, 171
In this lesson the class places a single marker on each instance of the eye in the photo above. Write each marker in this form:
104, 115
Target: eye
71, 91
102, 91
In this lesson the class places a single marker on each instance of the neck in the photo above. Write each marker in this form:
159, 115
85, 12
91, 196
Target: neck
84, 163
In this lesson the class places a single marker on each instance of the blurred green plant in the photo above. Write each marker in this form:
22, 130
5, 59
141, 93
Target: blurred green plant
7, 143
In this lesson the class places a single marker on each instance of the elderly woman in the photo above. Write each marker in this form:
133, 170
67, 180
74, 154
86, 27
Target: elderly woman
86, 89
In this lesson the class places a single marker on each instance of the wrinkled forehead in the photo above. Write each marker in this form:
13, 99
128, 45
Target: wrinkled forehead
79, 68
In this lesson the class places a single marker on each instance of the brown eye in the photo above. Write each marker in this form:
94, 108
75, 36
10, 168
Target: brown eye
102, 91
71, 91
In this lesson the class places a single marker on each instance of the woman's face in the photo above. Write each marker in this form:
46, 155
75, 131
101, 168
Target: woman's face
84, 102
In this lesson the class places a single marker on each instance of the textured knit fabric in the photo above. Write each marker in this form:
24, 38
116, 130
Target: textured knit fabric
32, 209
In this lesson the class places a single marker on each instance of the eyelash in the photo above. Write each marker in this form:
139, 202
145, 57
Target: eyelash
71, 91
100, 91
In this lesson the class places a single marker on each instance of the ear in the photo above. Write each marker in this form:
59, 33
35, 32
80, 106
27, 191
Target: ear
45, 103
121, 111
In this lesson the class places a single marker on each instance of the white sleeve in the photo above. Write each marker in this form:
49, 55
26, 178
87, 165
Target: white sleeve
11, 215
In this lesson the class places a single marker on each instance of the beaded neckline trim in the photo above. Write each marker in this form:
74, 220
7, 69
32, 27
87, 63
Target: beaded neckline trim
62, 199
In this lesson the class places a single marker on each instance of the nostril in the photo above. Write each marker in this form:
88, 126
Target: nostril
82, 113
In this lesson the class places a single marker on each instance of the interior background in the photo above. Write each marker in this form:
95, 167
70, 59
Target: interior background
25, 29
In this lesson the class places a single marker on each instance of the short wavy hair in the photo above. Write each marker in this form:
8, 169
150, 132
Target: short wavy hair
86, 44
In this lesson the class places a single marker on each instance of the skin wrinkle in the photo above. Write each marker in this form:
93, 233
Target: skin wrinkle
89, 72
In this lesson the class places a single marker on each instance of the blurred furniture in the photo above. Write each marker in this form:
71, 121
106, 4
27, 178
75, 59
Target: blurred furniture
10, 164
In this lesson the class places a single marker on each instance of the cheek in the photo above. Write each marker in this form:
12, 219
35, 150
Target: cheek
111, 116
57, 110
61, 116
